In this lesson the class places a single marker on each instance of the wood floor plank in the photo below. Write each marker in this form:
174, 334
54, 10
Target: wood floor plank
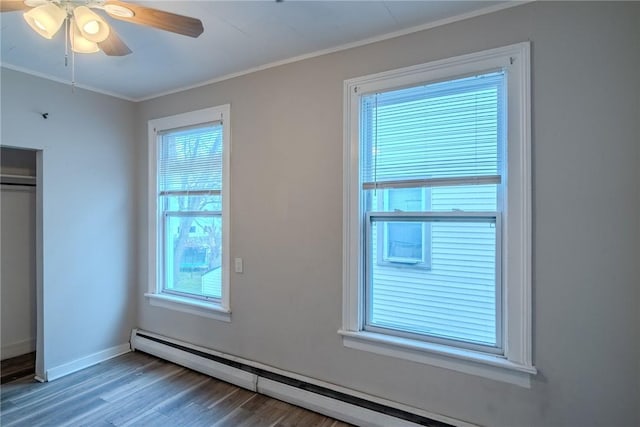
83, 398
23, 389
148, 376
178, 395
151, 398
226, 407
52, 399
137, 389
203, 395
17, 367
301, 417
246, 413
151, 419
264, 412
327, 422
192, 416
61, 413
197, 415
123, 410
198, 412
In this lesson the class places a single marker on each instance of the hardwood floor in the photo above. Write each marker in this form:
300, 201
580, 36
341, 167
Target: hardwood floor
137, 389
17, 367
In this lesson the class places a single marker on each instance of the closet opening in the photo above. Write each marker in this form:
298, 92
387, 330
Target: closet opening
19, 194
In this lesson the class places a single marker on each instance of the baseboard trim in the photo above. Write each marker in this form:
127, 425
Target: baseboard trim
197, 363
334, 408
334, 401
84, 362
18, 348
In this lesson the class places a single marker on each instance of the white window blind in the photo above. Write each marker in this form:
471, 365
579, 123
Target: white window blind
191, 161
447, 135
434, 134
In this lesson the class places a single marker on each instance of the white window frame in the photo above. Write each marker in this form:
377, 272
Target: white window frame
515, 364
193, 305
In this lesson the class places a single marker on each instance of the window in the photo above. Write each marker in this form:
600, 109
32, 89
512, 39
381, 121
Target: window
188, 212
452, 131
403, 244
437, 216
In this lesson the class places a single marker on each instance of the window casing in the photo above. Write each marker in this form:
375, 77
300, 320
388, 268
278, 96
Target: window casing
188, 212
457, 132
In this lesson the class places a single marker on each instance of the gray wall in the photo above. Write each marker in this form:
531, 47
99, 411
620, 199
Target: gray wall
286, 215
87, 170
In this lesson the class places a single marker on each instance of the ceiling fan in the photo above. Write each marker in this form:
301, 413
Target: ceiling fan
87, 31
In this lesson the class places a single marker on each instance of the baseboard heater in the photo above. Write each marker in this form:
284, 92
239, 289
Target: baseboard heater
334, 401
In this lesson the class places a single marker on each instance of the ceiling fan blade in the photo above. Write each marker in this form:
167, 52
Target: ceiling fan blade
114, 46
156, 18
12, 5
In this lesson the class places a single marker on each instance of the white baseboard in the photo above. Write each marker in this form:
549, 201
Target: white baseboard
209, 367
84, 362
18, 348
329, 406
334, 408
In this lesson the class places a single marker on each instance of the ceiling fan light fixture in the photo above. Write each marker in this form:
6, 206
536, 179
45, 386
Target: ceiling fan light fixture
45, 19
119, 11
91, 25
79, 44
35, 3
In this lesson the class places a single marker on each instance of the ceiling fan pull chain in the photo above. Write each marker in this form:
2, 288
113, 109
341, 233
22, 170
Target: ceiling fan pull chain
66, 42
73, 71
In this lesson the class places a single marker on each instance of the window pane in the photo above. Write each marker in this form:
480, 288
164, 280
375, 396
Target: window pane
469, 198
405, 199
192, 254
454, 299
404, 241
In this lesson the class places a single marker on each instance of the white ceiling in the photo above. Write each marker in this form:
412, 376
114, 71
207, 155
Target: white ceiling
238, 36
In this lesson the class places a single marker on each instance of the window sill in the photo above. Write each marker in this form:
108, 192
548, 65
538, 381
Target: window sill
461, 360
191, 306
